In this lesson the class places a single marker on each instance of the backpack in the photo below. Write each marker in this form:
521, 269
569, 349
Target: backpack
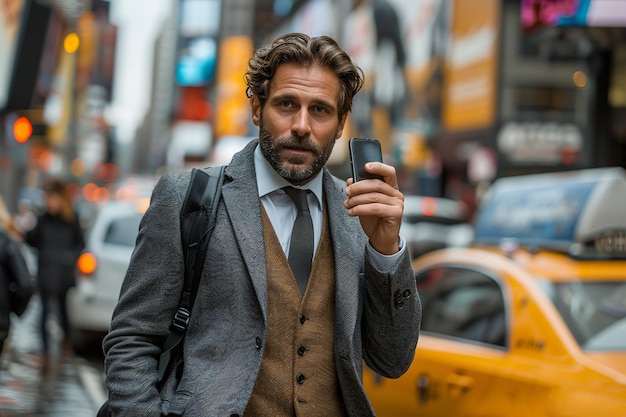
197, 220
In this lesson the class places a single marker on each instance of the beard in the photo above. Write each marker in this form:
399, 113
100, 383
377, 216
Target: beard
293, 169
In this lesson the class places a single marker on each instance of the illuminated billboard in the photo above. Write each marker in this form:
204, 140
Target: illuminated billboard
470, 76
599, 13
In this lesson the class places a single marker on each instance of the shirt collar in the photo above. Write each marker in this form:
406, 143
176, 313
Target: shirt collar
269, 181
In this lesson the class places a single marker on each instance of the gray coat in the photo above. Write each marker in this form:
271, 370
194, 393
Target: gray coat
377, 314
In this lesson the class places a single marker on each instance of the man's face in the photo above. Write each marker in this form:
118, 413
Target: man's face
299, 123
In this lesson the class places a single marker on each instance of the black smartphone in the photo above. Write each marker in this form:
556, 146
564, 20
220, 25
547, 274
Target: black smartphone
363, 150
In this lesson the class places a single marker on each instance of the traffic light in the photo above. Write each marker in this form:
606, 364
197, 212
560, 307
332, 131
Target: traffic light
21, 126
22, 129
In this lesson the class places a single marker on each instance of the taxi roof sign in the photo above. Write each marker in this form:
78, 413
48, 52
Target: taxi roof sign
554, 210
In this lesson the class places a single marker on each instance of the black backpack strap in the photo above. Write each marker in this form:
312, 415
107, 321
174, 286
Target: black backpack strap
197, 219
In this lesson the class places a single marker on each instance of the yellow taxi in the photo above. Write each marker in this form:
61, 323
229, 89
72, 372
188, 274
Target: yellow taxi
530, 320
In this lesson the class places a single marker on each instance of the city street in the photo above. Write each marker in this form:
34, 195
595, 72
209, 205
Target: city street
494, 255
71, 386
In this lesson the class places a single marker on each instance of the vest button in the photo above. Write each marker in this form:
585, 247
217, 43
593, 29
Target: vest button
257, 343
302, 318
300, 378
301, 350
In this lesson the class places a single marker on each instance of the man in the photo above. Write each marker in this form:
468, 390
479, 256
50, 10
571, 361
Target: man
258, 344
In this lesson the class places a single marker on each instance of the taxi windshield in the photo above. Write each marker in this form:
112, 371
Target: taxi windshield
595, 312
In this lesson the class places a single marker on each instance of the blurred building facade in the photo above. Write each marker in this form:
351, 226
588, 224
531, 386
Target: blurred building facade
56, 73
489, 88
462, 92
459, 92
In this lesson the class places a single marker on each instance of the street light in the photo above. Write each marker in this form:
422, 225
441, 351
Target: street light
71, 43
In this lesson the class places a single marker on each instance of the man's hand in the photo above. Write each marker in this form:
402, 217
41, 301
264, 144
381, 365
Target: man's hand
379, 206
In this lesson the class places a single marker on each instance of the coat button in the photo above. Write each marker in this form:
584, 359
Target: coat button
258, 343
301, 350
398, 300
406, 293
302, 318
300, 378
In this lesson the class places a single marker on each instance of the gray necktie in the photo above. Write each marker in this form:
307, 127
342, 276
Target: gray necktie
301, 247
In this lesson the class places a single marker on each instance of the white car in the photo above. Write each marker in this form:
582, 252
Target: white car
110, 240
431, 223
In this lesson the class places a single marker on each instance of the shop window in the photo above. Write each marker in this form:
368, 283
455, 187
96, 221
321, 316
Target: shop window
546, 99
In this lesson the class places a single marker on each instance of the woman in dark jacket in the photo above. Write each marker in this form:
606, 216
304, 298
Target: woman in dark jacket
58, 239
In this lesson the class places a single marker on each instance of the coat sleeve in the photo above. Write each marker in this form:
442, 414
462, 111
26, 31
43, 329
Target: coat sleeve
148, 300
391, 318
389, 309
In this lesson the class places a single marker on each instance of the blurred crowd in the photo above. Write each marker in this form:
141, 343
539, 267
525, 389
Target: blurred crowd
38, 252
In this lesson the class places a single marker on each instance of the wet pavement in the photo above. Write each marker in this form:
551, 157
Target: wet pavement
69, 386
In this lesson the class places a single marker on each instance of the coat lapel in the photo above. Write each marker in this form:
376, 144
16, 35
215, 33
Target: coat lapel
348, 251
241, 198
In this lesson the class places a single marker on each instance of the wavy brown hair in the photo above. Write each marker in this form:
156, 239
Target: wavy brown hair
301, 49
59, 188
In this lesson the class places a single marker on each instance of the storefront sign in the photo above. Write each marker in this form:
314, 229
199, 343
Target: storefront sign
540, 142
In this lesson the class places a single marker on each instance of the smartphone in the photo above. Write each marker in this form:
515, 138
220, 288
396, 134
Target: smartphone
363, 150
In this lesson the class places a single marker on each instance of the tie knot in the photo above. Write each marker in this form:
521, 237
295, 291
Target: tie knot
298, 197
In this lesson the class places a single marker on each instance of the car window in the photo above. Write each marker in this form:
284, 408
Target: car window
462, 303
593, 311
123, 231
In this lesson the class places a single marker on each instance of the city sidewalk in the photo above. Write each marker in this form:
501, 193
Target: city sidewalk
70, 387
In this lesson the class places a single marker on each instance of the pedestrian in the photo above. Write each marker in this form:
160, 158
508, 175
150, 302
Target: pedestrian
58, 240
258, 343
15, 281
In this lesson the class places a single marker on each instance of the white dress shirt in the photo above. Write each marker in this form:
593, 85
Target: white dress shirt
282, 212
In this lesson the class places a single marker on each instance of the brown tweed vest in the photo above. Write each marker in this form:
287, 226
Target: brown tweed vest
297, 375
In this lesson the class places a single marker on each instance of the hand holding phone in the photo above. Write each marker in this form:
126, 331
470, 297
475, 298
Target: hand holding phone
380, 216
363, 150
